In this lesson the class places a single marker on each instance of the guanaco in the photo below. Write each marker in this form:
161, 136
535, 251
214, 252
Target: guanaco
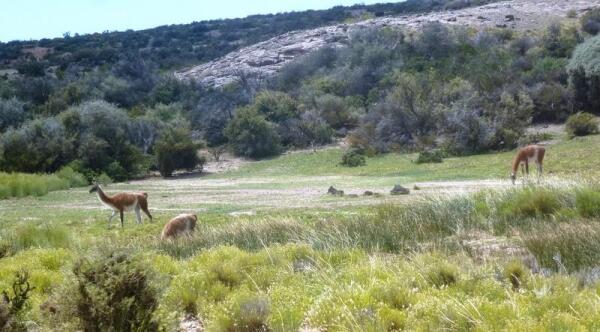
183, 223
529, 154
122, 202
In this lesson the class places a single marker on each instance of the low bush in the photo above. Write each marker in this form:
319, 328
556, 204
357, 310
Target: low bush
75, 179
247, 312
113, 293
430, 156
176, 150
581, 124
515, 273
12, 306
353, 158
442, 274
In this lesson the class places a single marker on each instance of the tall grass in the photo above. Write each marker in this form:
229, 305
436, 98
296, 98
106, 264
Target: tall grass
430, 223
21, 184
33, 236
570, 246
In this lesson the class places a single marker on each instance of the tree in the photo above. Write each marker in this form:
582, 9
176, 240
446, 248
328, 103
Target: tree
38, 146
176, 150
251, 135
12, 113
584, 75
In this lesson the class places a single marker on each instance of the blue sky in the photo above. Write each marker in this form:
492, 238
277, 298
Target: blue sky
35, 19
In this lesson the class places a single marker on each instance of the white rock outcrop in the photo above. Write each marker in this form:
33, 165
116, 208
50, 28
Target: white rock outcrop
266, 58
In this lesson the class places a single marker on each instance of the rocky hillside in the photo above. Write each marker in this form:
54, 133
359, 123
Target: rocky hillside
266, 58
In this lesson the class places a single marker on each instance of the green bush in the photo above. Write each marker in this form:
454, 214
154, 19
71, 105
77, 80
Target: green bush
515, 273
581, 124
248, 313
12, 306
442, 274
75, 179
353, 158
251, 135
430, 156
587, 202
113, 293
176, 150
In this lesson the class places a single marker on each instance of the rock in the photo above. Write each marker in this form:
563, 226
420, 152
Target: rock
335, 192
266, 58
190, 323
399, 190
368, 193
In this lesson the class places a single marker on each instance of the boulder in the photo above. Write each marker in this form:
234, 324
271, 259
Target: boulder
335, 192
399, 190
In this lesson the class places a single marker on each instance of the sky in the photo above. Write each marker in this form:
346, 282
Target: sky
36, 19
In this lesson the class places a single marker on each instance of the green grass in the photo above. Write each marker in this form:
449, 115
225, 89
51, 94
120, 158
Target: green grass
566, 158
21, 184
411, 263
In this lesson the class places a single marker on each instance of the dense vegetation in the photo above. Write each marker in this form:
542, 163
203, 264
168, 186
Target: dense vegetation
52, 91
388, 268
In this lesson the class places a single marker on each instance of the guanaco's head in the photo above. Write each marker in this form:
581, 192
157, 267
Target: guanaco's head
95, 187
513, 177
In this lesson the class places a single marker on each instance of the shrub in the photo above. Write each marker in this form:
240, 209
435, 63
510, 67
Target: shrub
581, 124
430, 156
353, 158
75, 179
515, 273
12, 306
442, 274
113, 293
251, 135
587, 202
590, 22
176, 150
12, 113
247, 313
584, 75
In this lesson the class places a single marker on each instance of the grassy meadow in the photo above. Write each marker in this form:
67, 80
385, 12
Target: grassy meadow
273, 252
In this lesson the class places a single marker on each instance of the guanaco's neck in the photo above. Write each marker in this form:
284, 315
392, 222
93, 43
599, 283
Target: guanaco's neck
103, 196
516, 162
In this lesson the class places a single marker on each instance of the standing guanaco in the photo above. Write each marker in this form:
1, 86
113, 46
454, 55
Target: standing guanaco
122, 202
529, 154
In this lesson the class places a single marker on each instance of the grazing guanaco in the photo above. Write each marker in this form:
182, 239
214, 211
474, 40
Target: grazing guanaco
183, 223
122, 202
529, 154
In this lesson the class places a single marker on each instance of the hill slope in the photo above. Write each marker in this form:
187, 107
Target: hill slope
266, 58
